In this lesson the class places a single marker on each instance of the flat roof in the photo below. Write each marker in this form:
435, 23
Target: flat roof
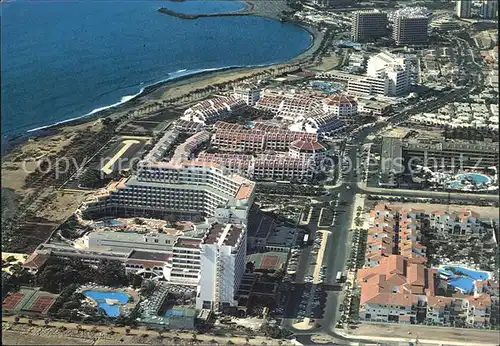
231, 234
188, 242
149, 256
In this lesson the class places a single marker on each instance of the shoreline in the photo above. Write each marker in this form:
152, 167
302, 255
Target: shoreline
10, 142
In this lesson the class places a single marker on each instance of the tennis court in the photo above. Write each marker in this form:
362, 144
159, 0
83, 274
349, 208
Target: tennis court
40, 305
268, 260
29, 300
12, 301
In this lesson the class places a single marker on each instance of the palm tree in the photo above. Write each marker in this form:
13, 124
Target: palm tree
16, 319
127, 331
46, 321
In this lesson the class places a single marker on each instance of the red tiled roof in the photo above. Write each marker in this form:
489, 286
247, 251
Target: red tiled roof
36, 260
304, 145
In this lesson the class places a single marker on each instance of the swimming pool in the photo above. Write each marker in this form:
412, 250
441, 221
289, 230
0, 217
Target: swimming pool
267, 123
461, 277
174, 312
112, 310
477, 178
109, 223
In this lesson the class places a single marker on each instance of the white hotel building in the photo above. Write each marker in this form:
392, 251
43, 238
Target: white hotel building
387, 74
161, 188
223, 254
187, 188
247, 92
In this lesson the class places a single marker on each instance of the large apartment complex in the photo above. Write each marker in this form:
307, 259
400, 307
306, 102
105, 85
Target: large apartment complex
302, 113
259, 138
265, 166
464, 8
437, 154
368, 25
411, 30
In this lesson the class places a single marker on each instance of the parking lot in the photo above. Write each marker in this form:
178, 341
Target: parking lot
304, 295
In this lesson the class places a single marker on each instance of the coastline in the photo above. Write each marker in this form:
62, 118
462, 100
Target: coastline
129, 102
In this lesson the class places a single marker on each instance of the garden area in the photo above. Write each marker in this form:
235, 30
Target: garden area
65, 277
326, 217
290, 190
357, 256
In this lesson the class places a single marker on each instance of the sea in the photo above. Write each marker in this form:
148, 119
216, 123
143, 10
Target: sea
62, 60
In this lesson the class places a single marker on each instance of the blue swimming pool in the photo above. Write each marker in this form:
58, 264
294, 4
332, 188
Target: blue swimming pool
112, 310
461, 277
477, 178
109, 223
174, 312
267, 123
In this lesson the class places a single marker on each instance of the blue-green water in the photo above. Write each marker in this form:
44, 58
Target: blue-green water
63, 60
101, 296
465, 280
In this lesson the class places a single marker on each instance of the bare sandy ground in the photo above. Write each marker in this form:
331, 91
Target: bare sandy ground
18, 338
485, 212
17, 164
22, 334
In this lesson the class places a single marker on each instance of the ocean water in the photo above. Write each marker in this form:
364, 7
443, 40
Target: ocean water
65, 59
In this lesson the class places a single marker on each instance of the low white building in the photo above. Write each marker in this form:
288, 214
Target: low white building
216, 108
318, 122
463, 223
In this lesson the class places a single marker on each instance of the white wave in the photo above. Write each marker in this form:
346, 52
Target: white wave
173, 76
122, 100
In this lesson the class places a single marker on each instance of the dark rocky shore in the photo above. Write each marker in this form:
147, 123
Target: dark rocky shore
165, 10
